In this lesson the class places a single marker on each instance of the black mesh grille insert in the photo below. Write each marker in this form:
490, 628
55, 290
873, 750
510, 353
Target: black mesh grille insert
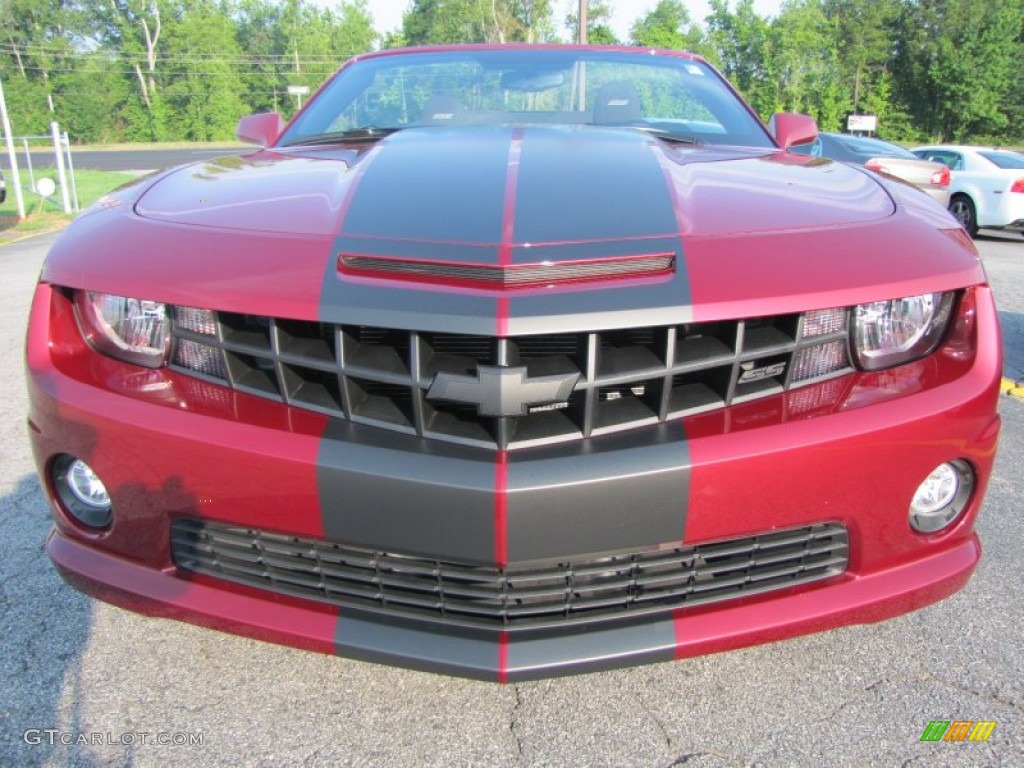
625, 377
606, 587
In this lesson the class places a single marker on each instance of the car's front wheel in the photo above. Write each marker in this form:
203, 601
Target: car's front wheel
962, 207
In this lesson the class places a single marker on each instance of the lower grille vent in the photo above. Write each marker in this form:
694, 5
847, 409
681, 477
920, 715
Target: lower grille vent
601, 588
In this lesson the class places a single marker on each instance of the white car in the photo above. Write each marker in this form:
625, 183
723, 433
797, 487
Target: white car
987, 185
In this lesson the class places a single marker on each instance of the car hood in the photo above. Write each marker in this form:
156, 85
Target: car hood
539, 185
748, 233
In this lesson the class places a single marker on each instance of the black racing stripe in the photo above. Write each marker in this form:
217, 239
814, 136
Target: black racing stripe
619, 493
405, 304
412, 306
477, 654
434, 184
425, 194
585, 183
534, 656
593, 249
468, 253
611, 196
601, 304
387, 491
427, 647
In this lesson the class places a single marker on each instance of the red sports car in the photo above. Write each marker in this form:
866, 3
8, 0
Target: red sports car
516, 361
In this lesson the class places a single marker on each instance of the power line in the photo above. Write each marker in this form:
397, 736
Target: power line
189, 72
283, 58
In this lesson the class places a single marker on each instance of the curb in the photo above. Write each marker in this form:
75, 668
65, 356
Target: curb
30, 235
1012, 388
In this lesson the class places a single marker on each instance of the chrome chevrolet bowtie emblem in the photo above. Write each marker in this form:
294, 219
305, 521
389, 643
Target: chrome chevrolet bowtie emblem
497, 391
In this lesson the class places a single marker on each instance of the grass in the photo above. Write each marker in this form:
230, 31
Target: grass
44, 215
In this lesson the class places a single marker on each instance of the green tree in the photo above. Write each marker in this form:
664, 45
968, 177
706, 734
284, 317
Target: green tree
962, 62
131, 30
37, 38
741, 44
202, 84
477, 21
866, 30
807, 64
257, 32
599, 31
526, 21
446, 21
88, 99
352, 30
296, 43
668, 25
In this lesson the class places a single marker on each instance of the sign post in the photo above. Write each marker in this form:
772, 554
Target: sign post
19, 199
298, 91
58, 154
862, 123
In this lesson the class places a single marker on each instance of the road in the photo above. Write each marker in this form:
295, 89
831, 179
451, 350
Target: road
856, 696
128, 160
1003, 255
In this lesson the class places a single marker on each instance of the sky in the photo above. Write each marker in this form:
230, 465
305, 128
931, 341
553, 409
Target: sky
387, 14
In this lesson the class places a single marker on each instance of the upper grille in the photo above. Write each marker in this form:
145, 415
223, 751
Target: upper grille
627, 377
630, 583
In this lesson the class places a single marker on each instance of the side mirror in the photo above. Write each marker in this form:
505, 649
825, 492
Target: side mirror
262, 128
792, 128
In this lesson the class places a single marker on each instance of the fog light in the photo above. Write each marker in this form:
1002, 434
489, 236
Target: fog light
942, 496
82, 492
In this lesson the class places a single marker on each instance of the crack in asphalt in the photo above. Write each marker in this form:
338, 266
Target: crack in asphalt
311, 758
832, 714
686, 757
992, 696
654, 718
513, 721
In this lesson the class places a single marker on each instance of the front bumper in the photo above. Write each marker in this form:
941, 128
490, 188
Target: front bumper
505, 656
850, 450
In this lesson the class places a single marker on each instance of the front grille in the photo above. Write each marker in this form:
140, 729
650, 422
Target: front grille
637, 583
627, 377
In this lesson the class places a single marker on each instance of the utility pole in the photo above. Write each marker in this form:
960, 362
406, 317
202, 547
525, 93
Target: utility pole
12, 157
581, 67
58, 154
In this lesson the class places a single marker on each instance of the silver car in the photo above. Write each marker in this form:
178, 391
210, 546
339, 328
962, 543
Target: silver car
930, 177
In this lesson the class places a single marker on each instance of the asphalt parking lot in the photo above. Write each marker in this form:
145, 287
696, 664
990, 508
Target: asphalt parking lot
75, 670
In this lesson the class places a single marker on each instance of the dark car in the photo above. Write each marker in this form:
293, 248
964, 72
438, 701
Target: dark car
3, 188
516, 361
930, 177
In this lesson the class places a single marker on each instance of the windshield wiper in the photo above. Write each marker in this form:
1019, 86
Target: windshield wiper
364, 133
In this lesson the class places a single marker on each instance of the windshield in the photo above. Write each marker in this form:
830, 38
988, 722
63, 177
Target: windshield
671, 97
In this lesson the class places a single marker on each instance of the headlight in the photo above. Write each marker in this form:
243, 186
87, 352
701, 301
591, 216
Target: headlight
888, 333
133, 330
